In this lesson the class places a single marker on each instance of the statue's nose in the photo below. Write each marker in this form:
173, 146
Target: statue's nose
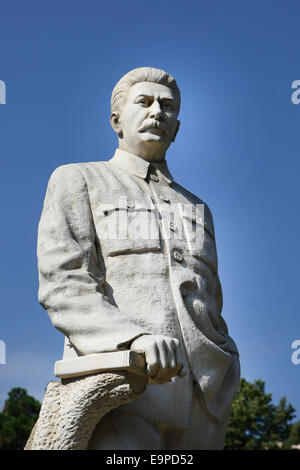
155, 111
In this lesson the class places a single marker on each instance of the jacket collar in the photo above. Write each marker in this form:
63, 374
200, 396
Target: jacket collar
138, 166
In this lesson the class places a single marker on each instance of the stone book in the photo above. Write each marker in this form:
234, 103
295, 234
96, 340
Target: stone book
101, 362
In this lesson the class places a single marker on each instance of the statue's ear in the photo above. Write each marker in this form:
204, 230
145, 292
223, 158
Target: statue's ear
176, 130
116, 123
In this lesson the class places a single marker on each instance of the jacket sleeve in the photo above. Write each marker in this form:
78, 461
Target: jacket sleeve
70, 281
231, 346
229, 343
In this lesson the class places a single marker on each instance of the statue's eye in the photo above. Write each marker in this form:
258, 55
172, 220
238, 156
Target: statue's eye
143, 101
167, 105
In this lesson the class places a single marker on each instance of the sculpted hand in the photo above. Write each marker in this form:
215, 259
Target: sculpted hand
163, 356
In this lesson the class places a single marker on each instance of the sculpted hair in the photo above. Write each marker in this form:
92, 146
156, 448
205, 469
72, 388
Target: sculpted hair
141, 74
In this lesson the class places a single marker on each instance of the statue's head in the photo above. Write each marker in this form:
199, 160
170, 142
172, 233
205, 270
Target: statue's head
145, 105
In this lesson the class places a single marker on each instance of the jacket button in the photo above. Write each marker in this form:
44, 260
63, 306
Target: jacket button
154, 177
164, 198
177, 256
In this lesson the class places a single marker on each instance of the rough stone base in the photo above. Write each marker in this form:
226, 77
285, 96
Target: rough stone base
72, 408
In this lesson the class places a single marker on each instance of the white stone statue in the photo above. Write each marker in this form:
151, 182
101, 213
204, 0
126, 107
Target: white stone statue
127, 260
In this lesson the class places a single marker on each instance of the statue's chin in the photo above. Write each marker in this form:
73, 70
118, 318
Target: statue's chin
153, 150
149, 146
155, 140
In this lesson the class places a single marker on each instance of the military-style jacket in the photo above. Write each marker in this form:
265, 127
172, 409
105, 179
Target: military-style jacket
123, 250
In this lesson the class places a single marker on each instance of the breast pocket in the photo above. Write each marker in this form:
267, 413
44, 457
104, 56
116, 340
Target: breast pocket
198, 227
128, 224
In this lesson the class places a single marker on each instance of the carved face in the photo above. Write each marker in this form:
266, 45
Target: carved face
148, 120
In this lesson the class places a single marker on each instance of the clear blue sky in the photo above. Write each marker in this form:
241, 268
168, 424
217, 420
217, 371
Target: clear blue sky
238, 149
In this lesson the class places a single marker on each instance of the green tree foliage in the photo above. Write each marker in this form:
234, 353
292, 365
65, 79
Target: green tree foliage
294, 437
256, 423
17, 419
